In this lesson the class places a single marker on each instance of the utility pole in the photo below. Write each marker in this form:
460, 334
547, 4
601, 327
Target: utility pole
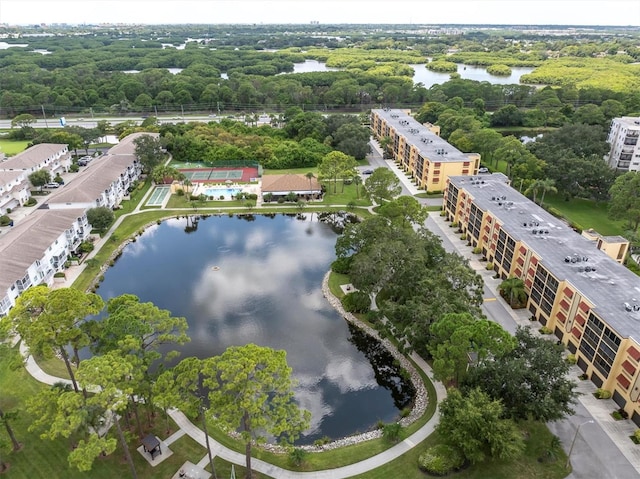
46, 125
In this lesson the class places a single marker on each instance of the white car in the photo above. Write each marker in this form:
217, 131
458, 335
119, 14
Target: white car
52, 184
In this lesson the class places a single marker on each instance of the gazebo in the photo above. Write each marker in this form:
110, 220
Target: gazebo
151, 444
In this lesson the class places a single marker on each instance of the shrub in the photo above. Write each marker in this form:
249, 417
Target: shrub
489, 266
31, 202
322, 441
463, 236
443, 213
356, 302
180, 192
59, 274
636, 434
86, 247
4, 220
545, 330
9, 210
602, 393
477, 250
571, 359
281, 200
441, 460
373, 316
454, 225
341, 265
74, 168
252, 196
297, 456
391, 432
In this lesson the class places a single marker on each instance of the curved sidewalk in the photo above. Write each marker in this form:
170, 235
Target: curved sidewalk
263, 467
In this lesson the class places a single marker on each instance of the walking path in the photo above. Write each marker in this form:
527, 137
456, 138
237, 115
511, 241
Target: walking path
599, 454
188, 428
600, 410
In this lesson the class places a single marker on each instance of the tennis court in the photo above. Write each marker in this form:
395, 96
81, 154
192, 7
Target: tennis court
221, 175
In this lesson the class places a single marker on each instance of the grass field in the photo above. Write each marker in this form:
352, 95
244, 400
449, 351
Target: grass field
12, 147
582, 213
586, 214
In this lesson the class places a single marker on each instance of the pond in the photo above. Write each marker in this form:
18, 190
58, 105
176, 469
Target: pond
257, 279
429, 78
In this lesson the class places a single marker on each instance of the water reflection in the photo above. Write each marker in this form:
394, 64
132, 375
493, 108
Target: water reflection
257, 279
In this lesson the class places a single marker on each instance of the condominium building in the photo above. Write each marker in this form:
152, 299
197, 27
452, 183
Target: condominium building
32, 251
575, 286
36, 248
15, 188
429, 159
105, 181
53, 157
624, 150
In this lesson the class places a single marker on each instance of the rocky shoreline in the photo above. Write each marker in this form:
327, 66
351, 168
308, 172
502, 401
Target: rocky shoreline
420, 400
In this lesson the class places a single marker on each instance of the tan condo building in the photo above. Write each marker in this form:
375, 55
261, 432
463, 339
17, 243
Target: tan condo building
575, 285
419, 150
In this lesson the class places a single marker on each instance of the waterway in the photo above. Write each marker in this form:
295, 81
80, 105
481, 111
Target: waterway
257, 279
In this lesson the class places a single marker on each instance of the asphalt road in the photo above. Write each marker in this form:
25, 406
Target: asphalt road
594, 454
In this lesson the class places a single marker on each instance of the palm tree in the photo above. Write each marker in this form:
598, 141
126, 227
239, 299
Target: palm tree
537, 186
357, 180
186, 183
513, 288
310, 176
547, 185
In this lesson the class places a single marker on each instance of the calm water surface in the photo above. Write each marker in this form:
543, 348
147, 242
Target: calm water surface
429, 78
259, 281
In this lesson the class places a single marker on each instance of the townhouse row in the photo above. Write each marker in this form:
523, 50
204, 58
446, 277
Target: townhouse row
575, 284
39, 246
15, 189
419, 150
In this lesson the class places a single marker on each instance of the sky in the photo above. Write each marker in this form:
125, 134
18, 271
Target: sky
520, 12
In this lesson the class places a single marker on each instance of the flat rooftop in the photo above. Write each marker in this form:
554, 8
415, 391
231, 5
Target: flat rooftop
629, 121
564, 253
429, 144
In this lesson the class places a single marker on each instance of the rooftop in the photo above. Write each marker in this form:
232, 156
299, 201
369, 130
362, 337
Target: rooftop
27, 242
291, 182
89, 184
429, 144
563, 252
32, 156
629, 121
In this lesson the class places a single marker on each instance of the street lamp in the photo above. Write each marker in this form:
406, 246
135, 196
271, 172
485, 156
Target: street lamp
206, 435
575, 436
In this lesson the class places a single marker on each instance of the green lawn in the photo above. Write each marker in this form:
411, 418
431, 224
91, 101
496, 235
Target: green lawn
586, 214
344, 194
40, 458
582, 213
12, 147
526, 467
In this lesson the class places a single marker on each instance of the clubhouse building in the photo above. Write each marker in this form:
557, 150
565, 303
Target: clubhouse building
419, 151
575, 284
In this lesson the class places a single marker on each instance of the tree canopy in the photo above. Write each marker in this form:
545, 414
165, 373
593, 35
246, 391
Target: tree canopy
250, 390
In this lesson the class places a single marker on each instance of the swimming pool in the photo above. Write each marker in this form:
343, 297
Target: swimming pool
216, 193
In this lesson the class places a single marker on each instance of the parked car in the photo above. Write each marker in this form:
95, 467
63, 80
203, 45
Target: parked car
52, 184
483, 169
367, 172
